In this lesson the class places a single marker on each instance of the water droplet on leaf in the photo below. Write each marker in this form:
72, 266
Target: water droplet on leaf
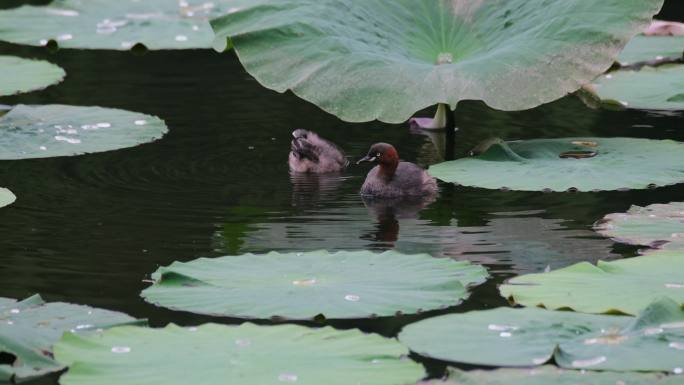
287, 377
590, 362
352, 297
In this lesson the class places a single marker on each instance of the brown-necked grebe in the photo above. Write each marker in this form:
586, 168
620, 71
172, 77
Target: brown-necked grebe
392, 178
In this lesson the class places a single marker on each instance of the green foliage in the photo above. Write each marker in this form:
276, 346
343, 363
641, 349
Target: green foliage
547, 375
656, 225
650, 88
386, 59
60, 130
344, 284
29, 328
583, 164
654, 341
23, 75
247, 354
116, 25
648, 48
625, 286
6, 197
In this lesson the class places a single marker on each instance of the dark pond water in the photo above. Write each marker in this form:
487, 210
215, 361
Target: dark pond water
90, 229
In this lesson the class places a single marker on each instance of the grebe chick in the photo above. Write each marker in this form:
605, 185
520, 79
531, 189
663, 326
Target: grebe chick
312, 154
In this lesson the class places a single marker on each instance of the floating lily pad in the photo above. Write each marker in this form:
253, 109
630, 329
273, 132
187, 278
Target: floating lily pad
60, 130
652, 48
654, 226
29, 328
246, 354
387, 59
650, 88
547, 165
654, 341
23, 75
547, 375
337, 285
116, 25
625, 286
6, 197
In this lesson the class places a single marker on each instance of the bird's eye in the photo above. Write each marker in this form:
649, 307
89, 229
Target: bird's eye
378, 154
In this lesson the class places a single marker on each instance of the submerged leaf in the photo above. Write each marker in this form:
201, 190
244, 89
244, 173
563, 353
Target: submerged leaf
23, 75
386, 59
247, 354
548, 375
29, 328
552, 164
625, 286
60, 130
6, 197
655, 226
532, 336
650, 88
344, 284
116, 25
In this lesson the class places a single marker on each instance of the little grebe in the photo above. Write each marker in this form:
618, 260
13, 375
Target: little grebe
392, 178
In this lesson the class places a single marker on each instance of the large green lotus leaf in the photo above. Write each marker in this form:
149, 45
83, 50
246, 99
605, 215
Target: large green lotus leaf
553, 165
649, 48
6, 197
344, 284
625, 286
247, 354
654, 341
29, 328
60, 130
116, 25
23, 75
386, 59
655, 226
551, 375
649, 88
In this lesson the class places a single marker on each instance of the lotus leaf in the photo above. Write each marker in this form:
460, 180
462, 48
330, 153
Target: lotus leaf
650, 88
625, 286
547, 375
60, 130
22, 75
29, 328
654, 341
115, 25
337, 285
6, 197
583, 164
386, 59
654, 226
246, 354
652, 48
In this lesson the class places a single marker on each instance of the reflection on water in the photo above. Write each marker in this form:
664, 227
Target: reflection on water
388, 212
514, 242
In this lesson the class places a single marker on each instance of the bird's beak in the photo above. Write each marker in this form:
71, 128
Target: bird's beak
366, 158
